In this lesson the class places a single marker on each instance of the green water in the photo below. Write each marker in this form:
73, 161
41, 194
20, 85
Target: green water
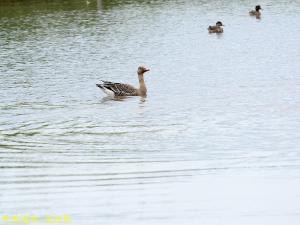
216, 141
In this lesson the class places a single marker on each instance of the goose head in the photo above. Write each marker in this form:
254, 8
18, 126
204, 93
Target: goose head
141, 70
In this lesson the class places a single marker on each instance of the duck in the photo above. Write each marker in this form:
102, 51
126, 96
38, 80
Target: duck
113, 89
217, 28
256, 12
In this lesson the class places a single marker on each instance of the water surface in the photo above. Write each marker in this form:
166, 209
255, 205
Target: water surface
215, 142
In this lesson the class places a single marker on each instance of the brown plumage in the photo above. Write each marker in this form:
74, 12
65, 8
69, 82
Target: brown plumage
118, 89
216, 29
256, 12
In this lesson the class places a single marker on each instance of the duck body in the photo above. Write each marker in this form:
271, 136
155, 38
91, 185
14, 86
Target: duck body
254, 13
113, 89
216, 29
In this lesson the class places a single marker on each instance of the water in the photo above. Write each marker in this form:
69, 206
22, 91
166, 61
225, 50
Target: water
215, 142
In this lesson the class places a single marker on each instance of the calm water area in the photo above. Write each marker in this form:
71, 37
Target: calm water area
216, 141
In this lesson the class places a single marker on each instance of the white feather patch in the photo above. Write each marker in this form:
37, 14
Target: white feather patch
108, 92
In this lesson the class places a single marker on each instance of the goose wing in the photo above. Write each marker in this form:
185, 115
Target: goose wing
119, 89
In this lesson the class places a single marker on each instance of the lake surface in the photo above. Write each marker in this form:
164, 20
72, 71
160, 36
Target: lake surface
217, 140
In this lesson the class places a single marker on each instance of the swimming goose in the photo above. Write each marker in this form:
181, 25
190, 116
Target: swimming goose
216, 29
118, 89
255, 12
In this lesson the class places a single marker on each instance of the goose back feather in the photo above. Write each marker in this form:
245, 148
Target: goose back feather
117, 89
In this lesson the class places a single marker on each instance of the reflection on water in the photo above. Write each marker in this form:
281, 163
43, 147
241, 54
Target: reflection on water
99, 5
215, 142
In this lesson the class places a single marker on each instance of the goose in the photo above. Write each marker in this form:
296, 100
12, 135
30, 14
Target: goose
256, 12
217, 28
118, 89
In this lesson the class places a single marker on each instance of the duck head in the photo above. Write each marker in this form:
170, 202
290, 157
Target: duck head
257, 8
141, 70
219, 24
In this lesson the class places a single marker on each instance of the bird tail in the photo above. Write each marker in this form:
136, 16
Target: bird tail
106, 88
100, 86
